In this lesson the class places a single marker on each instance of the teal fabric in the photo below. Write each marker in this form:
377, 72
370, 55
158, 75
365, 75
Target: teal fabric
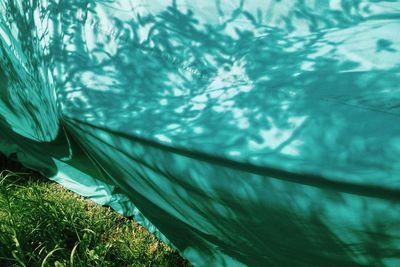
258, 133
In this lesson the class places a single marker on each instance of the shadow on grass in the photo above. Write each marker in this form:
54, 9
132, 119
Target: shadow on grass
17, 174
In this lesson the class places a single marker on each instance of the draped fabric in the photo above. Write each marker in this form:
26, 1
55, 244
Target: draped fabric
258, 133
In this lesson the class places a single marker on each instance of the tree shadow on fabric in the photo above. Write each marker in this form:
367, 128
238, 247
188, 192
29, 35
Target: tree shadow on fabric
156, 93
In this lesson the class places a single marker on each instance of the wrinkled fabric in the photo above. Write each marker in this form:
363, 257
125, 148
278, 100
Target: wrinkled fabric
258, 133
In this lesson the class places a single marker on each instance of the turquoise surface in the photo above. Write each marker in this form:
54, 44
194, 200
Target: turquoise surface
259, 133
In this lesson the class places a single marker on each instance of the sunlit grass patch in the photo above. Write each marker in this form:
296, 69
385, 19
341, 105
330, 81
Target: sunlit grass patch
43, 224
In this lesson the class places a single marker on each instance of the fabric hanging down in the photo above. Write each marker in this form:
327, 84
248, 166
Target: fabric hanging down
242, 133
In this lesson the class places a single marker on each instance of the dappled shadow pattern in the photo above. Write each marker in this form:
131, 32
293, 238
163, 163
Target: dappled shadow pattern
252, 132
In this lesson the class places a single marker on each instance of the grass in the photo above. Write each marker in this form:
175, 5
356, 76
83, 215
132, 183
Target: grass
43, 224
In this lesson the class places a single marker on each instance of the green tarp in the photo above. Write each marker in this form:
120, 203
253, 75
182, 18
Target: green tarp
259, 133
